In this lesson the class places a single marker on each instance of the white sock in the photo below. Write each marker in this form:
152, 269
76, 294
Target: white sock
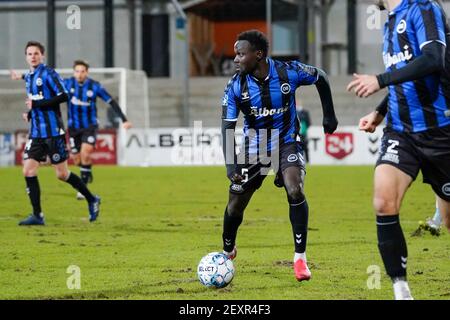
299, 256
437, 217
401, 290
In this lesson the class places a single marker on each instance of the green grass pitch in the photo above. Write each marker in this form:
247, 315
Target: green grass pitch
156, 224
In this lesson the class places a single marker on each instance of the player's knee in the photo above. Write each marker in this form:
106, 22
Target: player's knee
76, 160
85, 157
234, 209
62, 175
384, 205
29, 172
295, 193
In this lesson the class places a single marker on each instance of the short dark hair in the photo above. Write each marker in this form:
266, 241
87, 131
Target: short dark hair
35, 44
81, 63
257, 39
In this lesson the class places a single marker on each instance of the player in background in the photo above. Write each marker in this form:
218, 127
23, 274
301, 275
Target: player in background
45, 92
417, 133
263, 89
82, 117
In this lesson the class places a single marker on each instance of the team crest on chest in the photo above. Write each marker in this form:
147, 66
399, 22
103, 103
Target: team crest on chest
39, 81
401, 28
89, 93
286, 88
72, 90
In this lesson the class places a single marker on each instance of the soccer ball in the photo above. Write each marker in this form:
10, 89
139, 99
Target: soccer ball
215, 270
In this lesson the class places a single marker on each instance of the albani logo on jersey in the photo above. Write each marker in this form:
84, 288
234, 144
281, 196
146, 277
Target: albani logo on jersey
36, 97
391, 60
78, 102
264, 112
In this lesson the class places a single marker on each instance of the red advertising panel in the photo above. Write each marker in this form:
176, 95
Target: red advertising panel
339, 145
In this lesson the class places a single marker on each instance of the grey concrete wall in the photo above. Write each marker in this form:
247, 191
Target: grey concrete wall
206, 96
26, 20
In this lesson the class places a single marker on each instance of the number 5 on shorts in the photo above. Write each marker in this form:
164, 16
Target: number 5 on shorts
244, 173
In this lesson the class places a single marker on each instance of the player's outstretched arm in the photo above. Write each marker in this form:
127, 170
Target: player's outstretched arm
16, 76
125, 123
330, 121
105, 96
431, 61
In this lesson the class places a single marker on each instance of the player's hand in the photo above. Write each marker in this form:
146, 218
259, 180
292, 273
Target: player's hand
29, 103
329, 124
236, 178
15, 75
370, 122
364, 85
25, 117
127, 125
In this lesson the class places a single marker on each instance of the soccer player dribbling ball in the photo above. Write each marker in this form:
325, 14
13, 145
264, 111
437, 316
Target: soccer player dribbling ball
263, 89
417, 133
45, 91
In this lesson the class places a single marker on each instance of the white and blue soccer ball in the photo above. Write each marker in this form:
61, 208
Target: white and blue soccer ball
215, 270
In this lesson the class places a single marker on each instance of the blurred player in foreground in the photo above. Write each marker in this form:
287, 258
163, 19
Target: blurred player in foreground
417, 133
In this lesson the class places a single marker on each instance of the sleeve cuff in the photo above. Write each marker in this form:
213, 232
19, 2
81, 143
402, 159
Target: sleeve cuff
381, 82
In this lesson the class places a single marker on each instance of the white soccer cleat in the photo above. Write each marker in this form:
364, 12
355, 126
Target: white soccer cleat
401, 291
80, 196
432, 227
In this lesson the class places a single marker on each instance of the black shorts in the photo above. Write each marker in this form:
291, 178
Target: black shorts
254, 172
38, 149
426, 151
79, 136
